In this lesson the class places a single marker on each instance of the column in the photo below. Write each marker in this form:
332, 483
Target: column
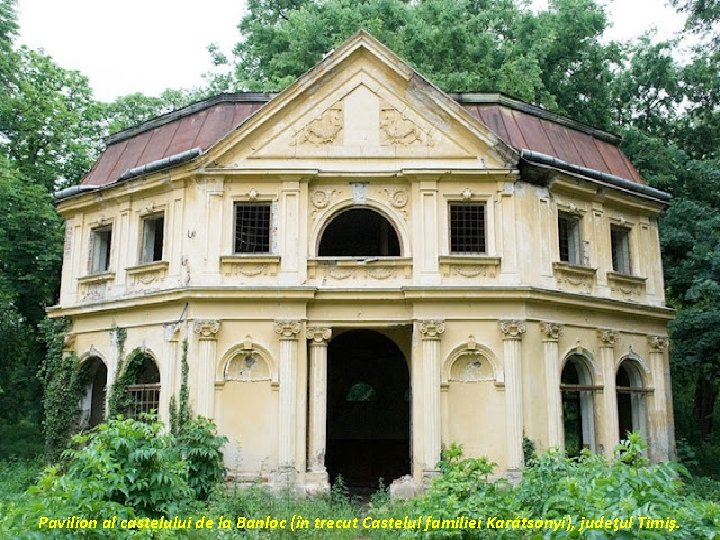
206, 331
168, 367
607, 340
288, 332
430, 332
289, 232
512, 331
660, 415
551, 335
318, 337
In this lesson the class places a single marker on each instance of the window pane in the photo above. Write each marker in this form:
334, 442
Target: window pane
569, 238
620, 241
152, 246
101, 239
467, 228
252, 228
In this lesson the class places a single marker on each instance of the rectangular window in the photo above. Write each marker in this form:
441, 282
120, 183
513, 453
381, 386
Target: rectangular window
467, 228
620, 244
152, 238
252, 228
569, 238
100, 250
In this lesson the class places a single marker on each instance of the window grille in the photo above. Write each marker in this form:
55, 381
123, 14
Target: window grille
145, 398
467, 228
252, 228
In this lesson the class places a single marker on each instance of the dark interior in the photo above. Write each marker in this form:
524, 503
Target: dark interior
359, 232
368, 418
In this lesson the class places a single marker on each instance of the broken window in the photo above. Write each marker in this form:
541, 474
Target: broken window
467, 228
145, 393
100, 249
359, 232
577, 406
152, 238
569, 238
620, 245
252, 227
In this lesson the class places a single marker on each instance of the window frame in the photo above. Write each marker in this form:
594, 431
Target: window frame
96, 241
575, 220
144, 220
485, 241
621, 264
270, 226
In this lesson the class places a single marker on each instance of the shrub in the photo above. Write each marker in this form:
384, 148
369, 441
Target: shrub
200, 446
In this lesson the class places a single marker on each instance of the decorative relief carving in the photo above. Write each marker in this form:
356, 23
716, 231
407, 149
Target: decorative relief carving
324, 129
607, 338
551, 330
469, 267
207, 329
359, 270
93, 288
626, 285
397, 198
242, 265
471, 366
658, 343
247, 366
172, 331
397, 129
287, 329
69, 342
431, 329
318, 335
577, 276
321, 198
512, 328
147, 274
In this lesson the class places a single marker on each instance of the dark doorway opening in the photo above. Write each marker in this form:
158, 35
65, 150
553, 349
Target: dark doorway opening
359, 232
630, 399
577, 406
368, 410
94, 400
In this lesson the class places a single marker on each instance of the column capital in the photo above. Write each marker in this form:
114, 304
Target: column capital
431, 329
658, 343
207, 329
287, 329
69, 342
318, 335
512, 328
172, 331
551, 330
607, 338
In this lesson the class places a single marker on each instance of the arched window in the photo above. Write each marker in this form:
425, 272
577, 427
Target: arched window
359, 232
145, 392
93, 403
630, 398
576, 388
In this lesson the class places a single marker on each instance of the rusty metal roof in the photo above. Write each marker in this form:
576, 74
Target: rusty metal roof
202, 124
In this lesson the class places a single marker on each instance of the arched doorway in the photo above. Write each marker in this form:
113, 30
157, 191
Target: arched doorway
577, 405
359, 232
93, 403
144, 393
368, 410
630, 398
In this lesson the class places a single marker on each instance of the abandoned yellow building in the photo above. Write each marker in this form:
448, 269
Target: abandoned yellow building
364, 269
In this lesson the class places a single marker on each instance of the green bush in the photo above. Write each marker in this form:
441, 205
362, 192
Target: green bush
200, 446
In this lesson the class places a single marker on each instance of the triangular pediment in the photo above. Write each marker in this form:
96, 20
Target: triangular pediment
361, 102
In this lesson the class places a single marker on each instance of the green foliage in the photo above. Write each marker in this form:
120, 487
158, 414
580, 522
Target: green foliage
199, 447
120, 402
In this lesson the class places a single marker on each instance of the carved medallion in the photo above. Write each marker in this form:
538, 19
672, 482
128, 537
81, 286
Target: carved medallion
324, 129
396, 129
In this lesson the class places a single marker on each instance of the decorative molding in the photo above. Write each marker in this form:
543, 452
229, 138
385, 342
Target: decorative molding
469, 266
578, 276
147, 273
351, 269
207, 329
93, 288
171, 331
287, 329
551, 330
658, 343
324, 129
397, 198
69, 342
607, 338
512, 328
318, 335
397, 129
249, 265
625, 284
321, 198
431, 329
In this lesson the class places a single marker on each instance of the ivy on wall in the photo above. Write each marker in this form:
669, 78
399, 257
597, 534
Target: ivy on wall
180, 413
65, 380
120, 401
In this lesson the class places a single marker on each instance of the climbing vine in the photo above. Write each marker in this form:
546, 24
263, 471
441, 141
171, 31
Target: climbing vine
180, 414
64, 380
119, 401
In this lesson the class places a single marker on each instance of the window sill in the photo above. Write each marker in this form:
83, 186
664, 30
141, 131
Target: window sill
575, 275
250, 265
469, 266
147, 273
626, 284
379, 268
93, 279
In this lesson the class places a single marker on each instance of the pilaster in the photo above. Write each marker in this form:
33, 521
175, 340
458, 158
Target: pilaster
168, 368
513, 331
318, 340
606, 341
207, 331
659, 416
550, 336
287, 331
430, 334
